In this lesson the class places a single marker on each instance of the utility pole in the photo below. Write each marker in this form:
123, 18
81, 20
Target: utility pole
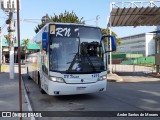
11, 44
19, 57
110, 54
9, 6
110, 32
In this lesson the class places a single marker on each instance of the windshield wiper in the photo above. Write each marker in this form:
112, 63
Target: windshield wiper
78, 59
73, 62
77, 56
90, 62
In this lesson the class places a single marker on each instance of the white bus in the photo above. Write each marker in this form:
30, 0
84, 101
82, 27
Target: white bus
72, 59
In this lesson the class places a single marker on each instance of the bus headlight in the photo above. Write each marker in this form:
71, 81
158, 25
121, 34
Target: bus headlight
57, 79
104, 77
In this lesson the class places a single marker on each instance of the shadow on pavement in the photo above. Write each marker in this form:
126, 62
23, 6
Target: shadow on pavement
131, 74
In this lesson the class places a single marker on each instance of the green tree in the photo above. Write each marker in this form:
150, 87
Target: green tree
66, 17
107, 31
24, 46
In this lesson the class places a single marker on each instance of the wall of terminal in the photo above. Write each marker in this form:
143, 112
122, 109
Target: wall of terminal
137, 44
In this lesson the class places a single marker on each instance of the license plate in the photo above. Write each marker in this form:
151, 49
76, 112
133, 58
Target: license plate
81, 88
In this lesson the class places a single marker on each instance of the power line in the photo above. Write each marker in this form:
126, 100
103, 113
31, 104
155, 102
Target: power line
32, 20
29, 20
2, 28
93, 19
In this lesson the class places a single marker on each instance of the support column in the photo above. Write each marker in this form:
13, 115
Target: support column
158, 49
157, 69
11, 36
157, 54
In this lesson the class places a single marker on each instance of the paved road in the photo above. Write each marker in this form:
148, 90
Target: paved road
123, 96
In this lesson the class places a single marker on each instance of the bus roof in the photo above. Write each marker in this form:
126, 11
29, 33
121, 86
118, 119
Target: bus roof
58, 23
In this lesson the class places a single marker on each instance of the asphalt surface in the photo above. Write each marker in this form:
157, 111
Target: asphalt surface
135, 93
120, 96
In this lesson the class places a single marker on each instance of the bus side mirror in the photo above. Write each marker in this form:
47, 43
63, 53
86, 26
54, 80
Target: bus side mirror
45, 41
113, 42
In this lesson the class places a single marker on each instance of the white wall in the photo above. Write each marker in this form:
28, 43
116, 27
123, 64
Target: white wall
137, 44
150, 44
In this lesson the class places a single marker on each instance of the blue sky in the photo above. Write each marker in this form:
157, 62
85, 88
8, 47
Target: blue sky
89, 9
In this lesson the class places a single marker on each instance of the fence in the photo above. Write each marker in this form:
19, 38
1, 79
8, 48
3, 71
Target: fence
140, 61
132, 68
133, 63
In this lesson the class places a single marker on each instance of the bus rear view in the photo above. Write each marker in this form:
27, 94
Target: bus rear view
72, 59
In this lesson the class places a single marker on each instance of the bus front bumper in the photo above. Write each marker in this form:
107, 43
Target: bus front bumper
56, 88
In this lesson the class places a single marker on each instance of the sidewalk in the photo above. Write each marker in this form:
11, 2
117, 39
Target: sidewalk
9, 93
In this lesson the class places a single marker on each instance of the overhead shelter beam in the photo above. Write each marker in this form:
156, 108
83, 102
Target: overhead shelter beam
136, 13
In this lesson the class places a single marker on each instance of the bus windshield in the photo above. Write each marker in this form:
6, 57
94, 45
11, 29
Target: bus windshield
81, 54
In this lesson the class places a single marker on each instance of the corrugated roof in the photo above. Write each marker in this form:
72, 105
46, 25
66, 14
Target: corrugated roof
135, 15
30, 46
33, 46
4, 43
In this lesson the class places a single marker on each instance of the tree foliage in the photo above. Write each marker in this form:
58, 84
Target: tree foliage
66, 17
107, 31
25, 43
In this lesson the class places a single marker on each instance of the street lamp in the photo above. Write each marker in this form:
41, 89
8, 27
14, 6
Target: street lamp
45, 19
97, 18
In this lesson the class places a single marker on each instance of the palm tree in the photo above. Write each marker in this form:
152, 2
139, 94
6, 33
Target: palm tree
25, 44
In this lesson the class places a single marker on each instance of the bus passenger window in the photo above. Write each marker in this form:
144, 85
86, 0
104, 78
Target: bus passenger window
44, 66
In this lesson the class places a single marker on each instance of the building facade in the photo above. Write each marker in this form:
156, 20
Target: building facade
138, 44
31, 48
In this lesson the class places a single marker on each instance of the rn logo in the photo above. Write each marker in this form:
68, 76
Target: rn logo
66, 32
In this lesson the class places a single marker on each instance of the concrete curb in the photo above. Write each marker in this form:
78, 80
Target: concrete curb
28, 101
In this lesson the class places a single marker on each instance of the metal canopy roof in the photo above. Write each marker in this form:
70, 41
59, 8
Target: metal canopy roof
135, 14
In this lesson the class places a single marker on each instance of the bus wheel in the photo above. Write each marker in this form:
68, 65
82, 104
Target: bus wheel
28, 74
39, 84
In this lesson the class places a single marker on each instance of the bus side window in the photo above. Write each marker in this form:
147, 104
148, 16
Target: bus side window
44, 67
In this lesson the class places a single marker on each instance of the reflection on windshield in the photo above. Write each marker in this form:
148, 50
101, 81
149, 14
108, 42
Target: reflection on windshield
61, 52
90, 59
83, 54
